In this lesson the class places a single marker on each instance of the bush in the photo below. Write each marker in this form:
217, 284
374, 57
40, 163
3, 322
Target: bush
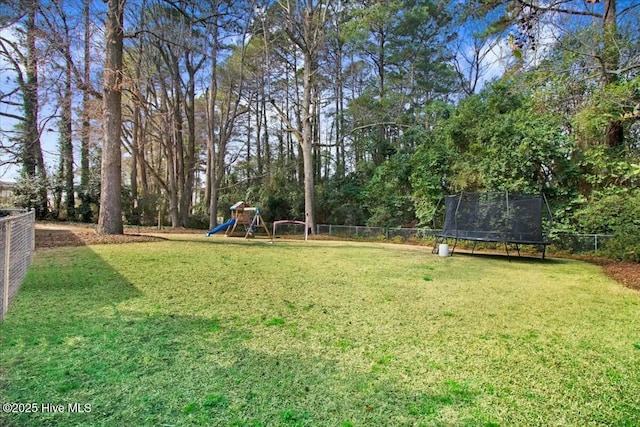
625, 244
199, 221
31, 193
616, 212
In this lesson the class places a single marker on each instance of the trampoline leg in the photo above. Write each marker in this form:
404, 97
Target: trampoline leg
455, 242
435, 246
518, 249
474, 247
506, 248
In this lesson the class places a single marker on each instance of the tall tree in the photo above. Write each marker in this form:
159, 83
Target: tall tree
59, 37
174, 41
224, 98
85, 130
406, 46
23, 57
336, 54
305, 26
110, 218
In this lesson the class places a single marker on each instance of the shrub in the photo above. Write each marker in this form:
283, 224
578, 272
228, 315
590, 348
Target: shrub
615, 212
199, 221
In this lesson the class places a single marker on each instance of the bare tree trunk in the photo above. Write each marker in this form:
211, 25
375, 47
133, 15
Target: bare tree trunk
299, 157
339, 103
66, 135
248, 152
259, 159
227, 115
110, 218
171, 134
207, 173
615, 130
214, 172
32, 158
85, 208
57, 189
133, 177
305, 28
172, 170
315, 124
265, 135
142, 158
179, 145
189, 155
307, 143
290, 159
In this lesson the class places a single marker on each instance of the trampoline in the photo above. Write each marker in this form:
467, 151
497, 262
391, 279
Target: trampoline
497, 217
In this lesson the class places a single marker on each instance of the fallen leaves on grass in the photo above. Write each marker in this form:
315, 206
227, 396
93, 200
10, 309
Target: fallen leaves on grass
46, 238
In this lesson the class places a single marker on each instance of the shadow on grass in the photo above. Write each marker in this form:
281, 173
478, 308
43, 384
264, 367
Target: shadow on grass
182, 370
524, 258
71, 339
53, 314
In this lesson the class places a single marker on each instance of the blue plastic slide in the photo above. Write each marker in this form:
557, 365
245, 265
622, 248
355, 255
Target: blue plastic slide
221, 227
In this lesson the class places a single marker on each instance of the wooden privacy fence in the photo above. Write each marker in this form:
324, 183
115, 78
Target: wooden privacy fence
17, 243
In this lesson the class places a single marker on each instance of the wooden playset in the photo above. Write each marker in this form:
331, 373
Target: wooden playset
244, 215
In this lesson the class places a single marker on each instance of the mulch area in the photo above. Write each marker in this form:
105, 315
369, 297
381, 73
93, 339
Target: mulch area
625, 272
58, 235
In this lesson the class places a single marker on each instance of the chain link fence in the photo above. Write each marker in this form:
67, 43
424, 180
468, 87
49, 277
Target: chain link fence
582, 243
574, 243
17, 241
376, 233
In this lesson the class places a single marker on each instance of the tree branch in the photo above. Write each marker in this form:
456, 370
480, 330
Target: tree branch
371, 125
12, 116
553, 8
285, 119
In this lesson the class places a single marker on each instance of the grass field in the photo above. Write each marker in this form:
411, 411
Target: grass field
218, 331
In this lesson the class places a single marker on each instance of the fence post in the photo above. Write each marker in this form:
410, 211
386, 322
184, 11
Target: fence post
7, 265
33, 231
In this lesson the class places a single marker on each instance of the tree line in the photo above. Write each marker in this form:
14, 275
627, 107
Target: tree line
347, 112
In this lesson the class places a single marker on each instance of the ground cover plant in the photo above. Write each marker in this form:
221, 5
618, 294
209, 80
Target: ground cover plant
195, 331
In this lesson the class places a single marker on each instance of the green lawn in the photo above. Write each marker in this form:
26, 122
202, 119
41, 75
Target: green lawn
217, 331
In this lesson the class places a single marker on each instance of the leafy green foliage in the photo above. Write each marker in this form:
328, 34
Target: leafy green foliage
388, 194
27, 193
504, 144
614, 211
431, 165
615, 101
340, 200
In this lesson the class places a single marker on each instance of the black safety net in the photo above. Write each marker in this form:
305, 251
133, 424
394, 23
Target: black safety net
496, 217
